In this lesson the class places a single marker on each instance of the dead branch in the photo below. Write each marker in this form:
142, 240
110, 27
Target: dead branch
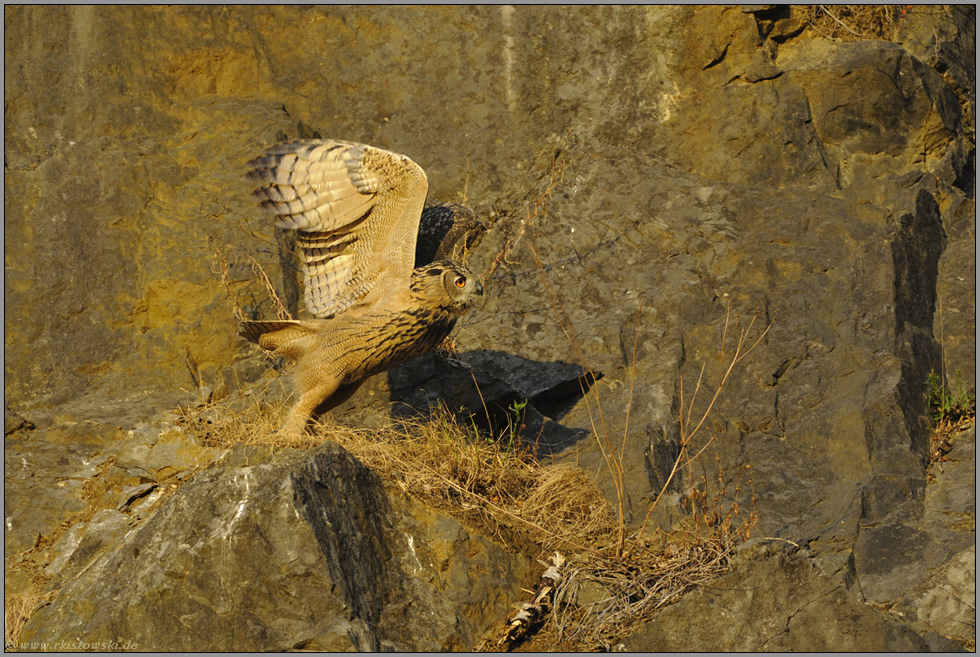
534, 611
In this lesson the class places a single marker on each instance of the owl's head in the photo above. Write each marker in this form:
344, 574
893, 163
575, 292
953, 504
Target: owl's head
446, 285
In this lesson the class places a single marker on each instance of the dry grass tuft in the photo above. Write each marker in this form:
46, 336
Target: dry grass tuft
853, 22
492, 484
566, 500
17, 609
943, 440
440, 460
251, 417
601, 600
604, 597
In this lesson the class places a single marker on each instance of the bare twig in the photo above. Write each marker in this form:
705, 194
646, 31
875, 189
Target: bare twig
220, 265
534, 611
839, 21
536, 208
687, 434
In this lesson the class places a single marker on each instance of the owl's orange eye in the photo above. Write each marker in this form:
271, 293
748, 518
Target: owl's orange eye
461, 281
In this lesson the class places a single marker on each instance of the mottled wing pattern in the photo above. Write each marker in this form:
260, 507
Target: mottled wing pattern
447, 232
356, 211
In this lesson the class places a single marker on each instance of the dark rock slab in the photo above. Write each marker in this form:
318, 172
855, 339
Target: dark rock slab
954, 323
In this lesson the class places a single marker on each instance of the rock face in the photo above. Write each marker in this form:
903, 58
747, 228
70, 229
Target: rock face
792, 607
303, 551
665, 166
783, 599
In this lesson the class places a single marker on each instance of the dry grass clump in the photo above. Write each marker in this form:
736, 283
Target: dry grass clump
943, 439
852, 22
495, 484
604, 596
601, 600
566, 500
440, 460
250, 417
17, 609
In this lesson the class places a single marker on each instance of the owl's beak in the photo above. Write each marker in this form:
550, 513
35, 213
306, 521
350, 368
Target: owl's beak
479, 288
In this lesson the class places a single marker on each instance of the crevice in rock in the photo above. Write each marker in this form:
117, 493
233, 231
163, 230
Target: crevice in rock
663, 447
13, 421
967, 180
819, 143
717, 60
916, 251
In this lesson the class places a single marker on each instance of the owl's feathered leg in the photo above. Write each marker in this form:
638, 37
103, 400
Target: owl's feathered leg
342, 394
320, 393
302, 410
296, 339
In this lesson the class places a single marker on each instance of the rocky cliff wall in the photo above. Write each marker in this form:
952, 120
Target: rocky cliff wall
709, 158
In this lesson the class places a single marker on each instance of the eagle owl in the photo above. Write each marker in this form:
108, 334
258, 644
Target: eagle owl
383, 274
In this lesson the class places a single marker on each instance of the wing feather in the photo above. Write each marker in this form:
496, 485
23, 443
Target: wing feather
356, 209
291, 338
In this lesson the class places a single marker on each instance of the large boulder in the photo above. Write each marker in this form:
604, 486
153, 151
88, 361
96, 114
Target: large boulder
306, 550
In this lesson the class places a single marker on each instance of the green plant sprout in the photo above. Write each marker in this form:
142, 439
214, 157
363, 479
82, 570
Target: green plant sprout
946, 405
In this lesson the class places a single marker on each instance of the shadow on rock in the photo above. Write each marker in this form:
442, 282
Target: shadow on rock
500, 392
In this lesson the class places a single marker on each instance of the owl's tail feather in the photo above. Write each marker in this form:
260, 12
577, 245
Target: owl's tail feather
291, 338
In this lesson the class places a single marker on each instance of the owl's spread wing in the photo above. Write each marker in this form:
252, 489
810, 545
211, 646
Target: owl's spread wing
356, 211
